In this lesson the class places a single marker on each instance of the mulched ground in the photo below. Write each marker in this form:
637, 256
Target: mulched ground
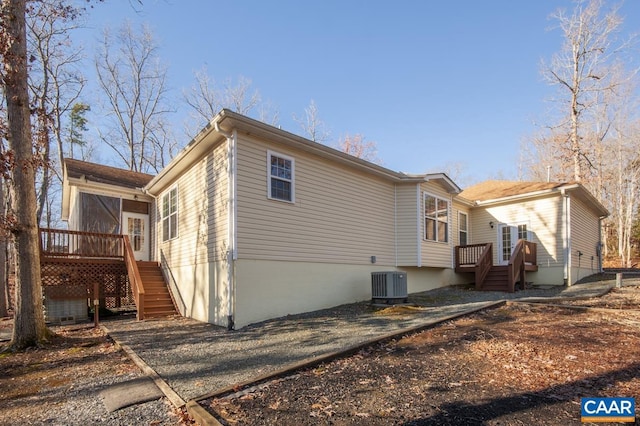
520, 364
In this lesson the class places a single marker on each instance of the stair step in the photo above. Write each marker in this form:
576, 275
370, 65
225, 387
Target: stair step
153, 283
152, 315
166, 305
158, 309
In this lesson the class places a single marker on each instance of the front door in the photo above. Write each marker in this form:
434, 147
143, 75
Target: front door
507, 240
136, 225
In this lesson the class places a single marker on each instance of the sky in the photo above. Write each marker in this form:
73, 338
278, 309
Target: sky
432, 83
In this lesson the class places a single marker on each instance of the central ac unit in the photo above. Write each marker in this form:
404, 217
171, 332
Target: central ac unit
389, 285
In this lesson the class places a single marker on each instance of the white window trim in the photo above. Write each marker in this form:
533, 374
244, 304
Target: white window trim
293, 176
424, 217
162, 217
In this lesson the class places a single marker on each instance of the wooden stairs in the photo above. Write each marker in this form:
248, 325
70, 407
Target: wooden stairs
157, 299
497, 279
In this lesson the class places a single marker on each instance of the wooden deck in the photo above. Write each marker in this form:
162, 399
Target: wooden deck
91, 266
477, 259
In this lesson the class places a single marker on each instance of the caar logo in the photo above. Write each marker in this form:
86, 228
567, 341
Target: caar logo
608, 410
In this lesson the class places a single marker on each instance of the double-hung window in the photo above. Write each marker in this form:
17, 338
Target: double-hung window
463, 229
436, 219
281, 170
170, 215
523, 234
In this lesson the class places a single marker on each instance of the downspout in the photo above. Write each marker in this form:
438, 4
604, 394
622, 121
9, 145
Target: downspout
599, 246
418, 221
566, 236
395, 221
232, 253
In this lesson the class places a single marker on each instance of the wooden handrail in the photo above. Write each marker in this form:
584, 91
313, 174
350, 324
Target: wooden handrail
516, 265
483, 265
134, 277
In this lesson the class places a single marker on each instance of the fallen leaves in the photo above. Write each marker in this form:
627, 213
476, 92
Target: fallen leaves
474, 367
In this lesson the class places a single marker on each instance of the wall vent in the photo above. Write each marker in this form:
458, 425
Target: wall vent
390, 286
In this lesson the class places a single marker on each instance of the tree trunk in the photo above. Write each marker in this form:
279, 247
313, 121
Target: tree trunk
29, 326
4, 282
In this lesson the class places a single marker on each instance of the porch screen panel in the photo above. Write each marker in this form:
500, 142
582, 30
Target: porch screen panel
100, 214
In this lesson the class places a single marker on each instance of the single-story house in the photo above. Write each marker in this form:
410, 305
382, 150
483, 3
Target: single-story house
250, 222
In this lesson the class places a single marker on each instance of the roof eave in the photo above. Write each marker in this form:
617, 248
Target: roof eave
445, 181
598, 207
229, 120
107, 189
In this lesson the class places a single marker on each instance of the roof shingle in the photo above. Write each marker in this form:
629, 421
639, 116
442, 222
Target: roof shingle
496, 189
106, 174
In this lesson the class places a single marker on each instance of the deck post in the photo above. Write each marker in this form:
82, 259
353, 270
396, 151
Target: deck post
96, 304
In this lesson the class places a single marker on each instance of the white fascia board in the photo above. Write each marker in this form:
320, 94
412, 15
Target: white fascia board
109, 190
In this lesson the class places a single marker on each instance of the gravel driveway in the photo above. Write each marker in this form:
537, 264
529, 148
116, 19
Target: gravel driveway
196, 358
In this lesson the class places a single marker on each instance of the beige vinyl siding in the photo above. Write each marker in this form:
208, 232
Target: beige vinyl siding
543, 217
432, 253
479, 219
408, 234
202, 213
585, 233
339, 215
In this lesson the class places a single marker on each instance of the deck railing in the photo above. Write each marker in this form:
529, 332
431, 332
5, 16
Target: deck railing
65, 243
469, 255
483, 265
516, 270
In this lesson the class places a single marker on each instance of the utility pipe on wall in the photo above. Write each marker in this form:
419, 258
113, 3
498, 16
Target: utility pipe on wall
566, 236
232, 253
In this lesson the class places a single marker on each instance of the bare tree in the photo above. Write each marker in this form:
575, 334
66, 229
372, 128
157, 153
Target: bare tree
581, 70
313, 127
55, 84
619, 181
239, 96
594, 139
4, 276
268, 113
134, 82
206, 99
29, 326
357, 146
4, 234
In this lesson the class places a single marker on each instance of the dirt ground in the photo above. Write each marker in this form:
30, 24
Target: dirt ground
38, 379
520, 364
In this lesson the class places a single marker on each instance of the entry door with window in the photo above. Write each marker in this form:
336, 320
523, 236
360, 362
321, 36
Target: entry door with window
136, 225
508, 236
507, 240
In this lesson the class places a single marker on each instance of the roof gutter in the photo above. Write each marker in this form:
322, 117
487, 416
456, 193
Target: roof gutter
232, 215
